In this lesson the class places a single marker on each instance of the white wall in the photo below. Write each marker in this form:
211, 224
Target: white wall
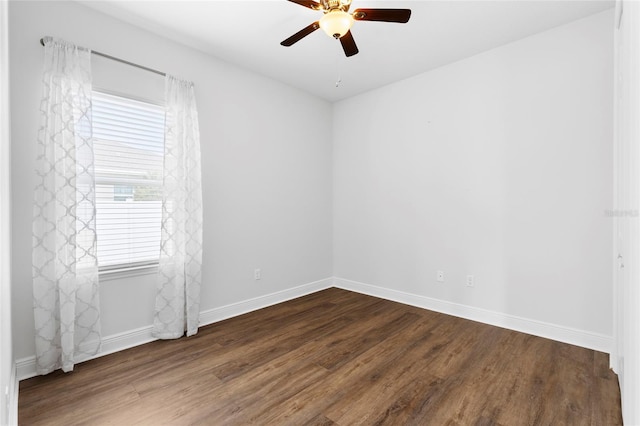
8, 383
500, 166
266, 168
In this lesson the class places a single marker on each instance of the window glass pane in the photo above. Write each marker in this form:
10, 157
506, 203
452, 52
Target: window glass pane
128, 149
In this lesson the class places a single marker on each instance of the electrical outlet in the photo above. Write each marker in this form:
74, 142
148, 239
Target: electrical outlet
470, 281
440, 276
257, 274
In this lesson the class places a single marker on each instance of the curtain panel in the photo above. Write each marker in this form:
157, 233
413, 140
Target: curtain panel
65, 267
179, 271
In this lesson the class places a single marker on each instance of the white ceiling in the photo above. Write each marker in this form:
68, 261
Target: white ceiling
248, 34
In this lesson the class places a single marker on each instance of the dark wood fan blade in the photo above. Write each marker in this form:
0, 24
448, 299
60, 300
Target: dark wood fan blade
301, 34
308, 3
348, 44
385, 15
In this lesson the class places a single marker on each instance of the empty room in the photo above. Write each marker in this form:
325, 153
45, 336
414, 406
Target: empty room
330, 212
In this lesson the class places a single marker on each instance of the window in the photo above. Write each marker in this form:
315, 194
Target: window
128, 149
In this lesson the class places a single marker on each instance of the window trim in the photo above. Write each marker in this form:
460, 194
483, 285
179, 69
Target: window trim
114, 272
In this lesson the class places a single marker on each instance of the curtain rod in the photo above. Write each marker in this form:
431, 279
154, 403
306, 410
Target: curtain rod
113, 58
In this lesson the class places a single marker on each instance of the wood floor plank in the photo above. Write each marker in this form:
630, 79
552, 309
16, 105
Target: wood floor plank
280, 341
457, 364
323, 305
350, 379
347, 349
334, 358
390, 380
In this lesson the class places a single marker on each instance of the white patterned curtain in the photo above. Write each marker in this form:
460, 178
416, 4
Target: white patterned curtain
65, 267
179, 272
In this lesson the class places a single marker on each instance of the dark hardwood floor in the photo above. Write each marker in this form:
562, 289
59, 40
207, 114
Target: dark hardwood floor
334, 357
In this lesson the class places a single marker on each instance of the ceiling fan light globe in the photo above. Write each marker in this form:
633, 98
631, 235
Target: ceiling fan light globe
336, 23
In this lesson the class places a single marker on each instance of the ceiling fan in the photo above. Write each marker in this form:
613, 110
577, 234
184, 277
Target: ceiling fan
337, 21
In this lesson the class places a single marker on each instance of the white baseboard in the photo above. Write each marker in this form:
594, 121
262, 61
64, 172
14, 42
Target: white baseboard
598, 342
224, 312
26, 367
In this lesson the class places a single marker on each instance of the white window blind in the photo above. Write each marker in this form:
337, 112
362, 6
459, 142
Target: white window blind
128, 149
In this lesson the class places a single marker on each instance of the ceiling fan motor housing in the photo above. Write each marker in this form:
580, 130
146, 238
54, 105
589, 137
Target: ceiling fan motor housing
337, 21
329, 5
